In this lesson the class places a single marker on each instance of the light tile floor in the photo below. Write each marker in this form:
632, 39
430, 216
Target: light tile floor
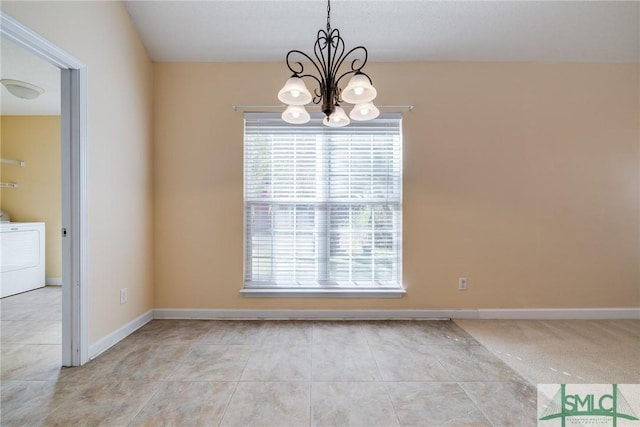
241, 373
31, 336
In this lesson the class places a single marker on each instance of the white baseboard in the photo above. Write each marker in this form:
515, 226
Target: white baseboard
560, 313
118, 335
540, 314
53, 281
178, 313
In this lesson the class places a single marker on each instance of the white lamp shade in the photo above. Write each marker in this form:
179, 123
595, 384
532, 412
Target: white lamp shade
366, 111
296, 115
22, 89
295, 92
337, 119
359, 90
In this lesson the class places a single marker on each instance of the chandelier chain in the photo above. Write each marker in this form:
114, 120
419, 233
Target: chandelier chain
328, 16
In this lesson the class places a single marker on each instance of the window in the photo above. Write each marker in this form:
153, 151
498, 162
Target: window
323, 207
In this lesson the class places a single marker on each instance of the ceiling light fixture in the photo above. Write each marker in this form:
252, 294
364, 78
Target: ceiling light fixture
22, 89
329, 52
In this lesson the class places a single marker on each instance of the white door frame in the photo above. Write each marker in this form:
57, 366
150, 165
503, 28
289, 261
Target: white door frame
73, 118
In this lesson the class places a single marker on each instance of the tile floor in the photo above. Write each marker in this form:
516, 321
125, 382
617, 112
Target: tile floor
257, 373
30, 336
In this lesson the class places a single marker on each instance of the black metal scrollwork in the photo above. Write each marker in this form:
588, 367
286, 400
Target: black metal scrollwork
329, 52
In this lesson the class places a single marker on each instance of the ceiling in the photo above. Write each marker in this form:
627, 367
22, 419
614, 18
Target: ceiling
393, 30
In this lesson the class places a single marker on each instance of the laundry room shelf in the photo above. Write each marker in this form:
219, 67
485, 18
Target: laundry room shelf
14, 162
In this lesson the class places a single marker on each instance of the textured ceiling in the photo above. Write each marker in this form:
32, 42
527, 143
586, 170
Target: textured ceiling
393, 30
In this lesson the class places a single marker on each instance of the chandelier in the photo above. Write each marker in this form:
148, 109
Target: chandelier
329, 52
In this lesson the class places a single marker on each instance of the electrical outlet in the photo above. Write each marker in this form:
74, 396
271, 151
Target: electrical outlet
462, 283
123, 295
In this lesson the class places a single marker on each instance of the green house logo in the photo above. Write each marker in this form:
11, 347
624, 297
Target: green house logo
590, 404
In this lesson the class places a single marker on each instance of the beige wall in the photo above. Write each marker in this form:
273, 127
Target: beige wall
35, 140
120, 77
522, 177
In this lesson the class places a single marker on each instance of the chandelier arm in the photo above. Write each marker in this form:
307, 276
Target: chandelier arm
355, 69
328, 91
300, 67
346, 73
322, 40
338, 53
312, 76
317, 92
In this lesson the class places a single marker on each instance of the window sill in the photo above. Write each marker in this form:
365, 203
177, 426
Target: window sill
322, 293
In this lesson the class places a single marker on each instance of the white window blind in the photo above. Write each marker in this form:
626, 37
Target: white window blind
323, 206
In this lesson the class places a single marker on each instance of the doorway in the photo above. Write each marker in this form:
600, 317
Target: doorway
73, 124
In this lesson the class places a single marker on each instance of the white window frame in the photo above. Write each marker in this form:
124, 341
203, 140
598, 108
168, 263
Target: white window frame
320, 288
